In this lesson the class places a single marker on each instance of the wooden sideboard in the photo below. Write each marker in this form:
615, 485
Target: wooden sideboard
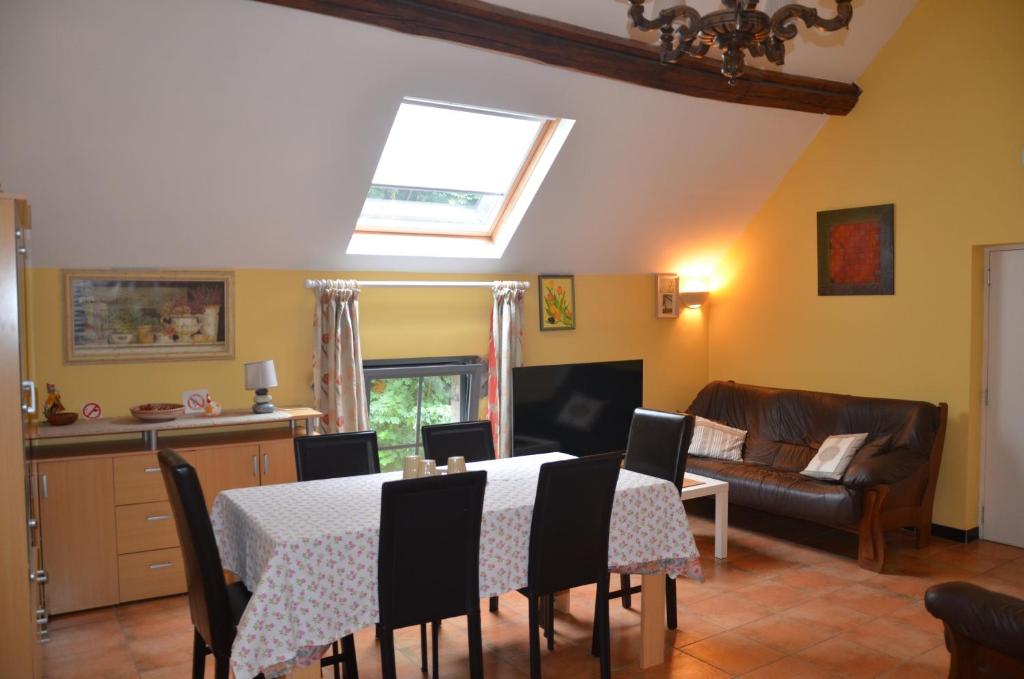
106, 529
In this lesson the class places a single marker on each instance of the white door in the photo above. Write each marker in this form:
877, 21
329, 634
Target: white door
1003, 472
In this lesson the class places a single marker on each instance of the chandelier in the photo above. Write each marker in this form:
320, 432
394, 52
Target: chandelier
738, 29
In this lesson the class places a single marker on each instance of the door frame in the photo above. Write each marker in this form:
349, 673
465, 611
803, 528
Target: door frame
983, 452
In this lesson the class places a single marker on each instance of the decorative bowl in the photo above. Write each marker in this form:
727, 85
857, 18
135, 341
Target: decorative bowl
62, 418
157, 412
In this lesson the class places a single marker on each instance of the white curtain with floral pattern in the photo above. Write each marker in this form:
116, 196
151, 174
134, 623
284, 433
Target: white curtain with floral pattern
505, 353
339, 390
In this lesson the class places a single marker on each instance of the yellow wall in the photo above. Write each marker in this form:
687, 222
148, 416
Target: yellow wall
274, 315
939, 132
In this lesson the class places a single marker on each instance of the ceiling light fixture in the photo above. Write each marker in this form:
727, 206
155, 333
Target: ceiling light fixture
738, 29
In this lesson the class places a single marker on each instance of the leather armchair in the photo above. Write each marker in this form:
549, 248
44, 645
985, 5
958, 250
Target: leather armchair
984, 629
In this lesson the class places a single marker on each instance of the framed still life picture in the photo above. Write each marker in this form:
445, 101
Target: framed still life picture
855, 251
131, 315
667, 292
557, 301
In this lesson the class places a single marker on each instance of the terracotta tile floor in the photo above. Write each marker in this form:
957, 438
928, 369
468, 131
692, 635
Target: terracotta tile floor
790, 602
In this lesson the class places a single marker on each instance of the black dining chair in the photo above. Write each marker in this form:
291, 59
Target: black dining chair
332, 456
215, 606
657, 446
472, 440
569, 545
439, 516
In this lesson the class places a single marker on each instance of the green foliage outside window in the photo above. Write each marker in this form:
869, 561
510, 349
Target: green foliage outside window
393, 411
411, 195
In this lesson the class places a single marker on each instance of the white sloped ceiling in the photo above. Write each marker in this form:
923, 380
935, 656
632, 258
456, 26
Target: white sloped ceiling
229, 133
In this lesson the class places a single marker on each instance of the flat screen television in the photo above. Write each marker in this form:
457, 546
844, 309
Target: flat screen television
576, 408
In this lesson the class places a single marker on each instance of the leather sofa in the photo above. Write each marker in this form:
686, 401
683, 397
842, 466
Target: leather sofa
889, 484
984, 630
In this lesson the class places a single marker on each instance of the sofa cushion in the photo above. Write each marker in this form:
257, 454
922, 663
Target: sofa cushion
714, 439
783, 492
832, 459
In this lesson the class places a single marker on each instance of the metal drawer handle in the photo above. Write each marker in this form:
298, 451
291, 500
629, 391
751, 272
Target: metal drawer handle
158, 517
152, 470
158, 566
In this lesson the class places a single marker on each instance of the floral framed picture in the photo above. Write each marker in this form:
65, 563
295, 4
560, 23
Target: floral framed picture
557, 301
131, 315
667, 301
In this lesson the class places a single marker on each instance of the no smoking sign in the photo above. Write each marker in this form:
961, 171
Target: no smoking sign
194, 400
92, 411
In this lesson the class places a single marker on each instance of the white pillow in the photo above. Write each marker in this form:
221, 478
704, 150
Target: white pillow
834, 456
714, 439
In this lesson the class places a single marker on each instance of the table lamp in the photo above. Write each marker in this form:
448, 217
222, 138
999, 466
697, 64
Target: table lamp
260, 375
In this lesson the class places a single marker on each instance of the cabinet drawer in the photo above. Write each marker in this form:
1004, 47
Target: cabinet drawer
151, 574
145, 527
137, 479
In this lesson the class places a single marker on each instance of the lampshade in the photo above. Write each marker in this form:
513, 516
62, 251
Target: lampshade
260, 375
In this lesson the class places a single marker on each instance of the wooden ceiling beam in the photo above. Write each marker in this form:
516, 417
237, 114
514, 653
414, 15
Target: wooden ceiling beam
496, 28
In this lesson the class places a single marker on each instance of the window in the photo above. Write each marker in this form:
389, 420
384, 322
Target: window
455, 180
404, 395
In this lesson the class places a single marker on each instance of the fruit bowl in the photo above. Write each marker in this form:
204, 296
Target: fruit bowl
157, 412
62, 418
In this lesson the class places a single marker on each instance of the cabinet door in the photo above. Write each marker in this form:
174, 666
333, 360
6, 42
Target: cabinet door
226, 467
277, 462
76, 517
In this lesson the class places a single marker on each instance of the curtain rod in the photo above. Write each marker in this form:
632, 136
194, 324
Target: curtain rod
424, 284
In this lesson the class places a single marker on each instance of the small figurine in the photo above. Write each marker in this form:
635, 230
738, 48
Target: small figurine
54, 411
212, 408
53, 404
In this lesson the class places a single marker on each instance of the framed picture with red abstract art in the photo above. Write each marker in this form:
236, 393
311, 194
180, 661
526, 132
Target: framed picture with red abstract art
855, 251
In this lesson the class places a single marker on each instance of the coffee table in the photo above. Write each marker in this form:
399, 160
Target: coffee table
694, 486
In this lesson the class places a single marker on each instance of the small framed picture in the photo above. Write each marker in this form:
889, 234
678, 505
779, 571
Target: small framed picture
855, 251
667, 297
557, 301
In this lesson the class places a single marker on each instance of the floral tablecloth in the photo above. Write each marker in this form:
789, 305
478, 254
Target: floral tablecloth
308, 551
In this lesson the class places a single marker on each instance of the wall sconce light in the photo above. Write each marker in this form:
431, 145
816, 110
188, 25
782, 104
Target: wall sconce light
694, 292
694, 300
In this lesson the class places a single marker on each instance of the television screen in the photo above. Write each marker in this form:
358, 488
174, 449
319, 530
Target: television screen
576, 408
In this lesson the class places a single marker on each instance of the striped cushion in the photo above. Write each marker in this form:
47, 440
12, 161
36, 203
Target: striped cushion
714, 439
833, 457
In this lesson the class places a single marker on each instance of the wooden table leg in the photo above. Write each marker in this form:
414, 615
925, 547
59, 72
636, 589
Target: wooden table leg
562, 601
652, 621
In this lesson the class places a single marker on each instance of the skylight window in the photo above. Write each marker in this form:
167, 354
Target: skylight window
455, 172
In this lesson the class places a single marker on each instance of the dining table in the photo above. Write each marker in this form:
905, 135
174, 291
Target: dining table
308, 553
